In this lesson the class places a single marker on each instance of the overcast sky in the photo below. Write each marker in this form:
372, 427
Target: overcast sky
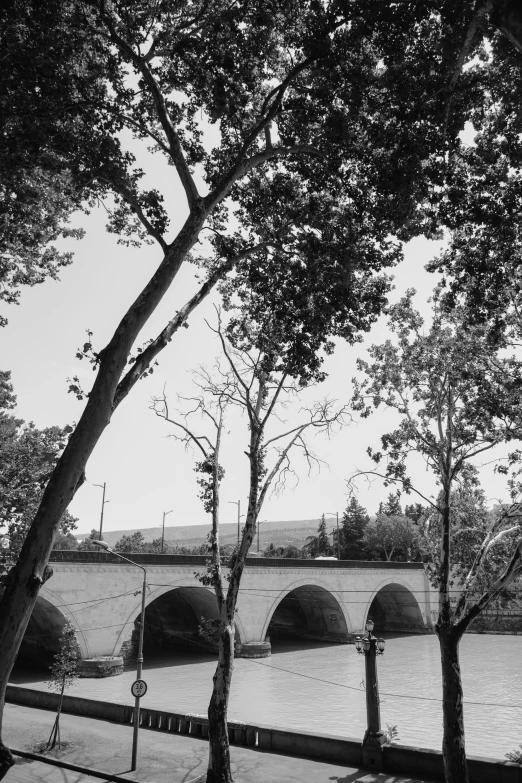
145, 470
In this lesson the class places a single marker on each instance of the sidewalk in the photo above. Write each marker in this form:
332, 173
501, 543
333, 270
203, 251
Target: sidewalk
162, 758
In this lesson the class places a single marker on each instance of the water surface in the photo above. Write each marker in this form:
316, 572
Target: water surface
318, 687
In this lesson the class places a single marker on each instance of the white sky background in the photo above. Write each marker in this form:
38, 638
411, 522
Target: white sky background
146, 471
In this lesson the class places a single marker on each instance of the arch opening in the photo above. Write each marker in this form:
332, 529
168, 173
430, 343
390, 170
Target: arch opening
308, 612
178, 621
41, 640
395, 609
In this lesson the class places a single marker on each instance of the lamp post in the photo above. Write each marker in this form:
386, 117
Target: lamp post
139, 666
102, 486
336, 513
257, 525
163, 528
371, 647
238, 504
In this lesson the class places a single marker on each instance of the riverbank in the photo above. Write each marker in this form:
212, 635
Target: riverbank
329, 749
163, 758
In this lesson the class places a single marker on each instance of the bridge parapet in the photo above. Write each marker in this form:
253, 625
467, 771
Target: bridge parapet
148, 558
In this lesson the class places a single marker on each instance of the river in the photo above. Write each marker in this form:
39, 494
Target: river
318, 687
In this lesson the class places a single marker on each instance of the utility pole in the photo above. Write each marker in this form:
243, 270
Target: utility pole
238, 504
163, 528
102, 486
257, 525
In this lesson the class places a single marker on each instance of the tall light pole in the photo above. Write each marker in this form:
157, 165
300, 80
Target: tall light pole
139, 666
371, 647
163, 528
238, 504
331, 514
257, 525
102, 486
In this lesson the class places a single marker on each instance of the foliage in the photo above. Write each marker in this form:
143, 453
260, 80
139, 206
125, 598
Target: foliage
65, 541
393, 537
456, 393
457, 397
133, 543
27, 458
64, 672
515, 756
416, 511
64, 669
338, 132
45, 58
289, 551
392, 507
391, 734
87, 544
353, 526
319, 545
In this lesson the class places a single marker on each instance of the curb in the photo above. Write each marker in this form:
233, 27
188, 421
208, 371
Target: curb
95, 773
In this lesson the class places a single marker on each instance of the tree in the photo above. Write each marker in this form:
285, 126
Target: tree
392, 507
319, 545
64, 671
251, 384
353, 526
27, 458
65, 541
290, 551
87, 544
393, 537
133, 543
46, 55
454, 401
415, 511
336, 133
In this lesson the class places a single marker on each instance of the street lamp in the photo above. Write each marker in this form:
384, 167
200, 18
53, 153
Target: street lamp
139, 666
238, 504
370, 647
102, 486
163, 528
257, 525
331, 513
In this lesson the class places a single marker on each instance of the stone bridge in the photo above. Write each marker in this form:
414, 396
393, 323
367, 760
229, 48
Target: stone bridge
313, 599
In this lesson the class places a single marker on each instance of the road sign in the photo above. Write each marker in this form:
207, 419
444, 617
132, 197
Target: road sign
139, 688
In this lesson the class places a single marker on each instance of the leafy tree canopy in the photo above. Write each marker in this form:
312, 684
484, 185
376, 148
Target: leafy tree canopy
27, 458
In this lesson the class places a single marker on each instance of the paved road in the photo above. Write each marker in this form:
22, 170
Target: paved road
162, 758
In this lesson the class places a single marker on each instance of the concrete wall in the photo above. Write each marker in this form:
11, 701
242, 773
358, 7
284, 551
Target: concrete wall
400, 759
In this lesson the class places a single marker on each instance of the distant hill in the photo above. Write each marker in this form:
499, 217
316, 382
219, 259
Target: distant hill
279, 533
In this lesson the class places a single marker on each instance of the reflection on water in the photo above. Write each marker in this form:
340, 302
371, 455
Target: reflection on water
318, 687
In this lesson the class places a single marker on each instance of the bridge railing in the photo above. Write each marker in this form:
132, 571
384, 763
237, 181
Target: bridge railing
147, 558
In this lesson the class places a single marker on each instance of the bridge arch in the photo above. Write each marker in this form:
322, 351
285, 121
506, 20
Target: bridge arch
317, 611
190, 603
42, 636
393, 606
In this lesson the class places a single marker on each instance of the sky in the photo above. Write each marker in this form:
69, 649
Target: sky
146, 471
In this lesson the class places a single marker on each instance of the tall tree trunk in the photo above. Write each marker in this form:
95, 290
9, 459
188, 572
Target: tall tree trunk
453, 741
219, 748
25, 579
